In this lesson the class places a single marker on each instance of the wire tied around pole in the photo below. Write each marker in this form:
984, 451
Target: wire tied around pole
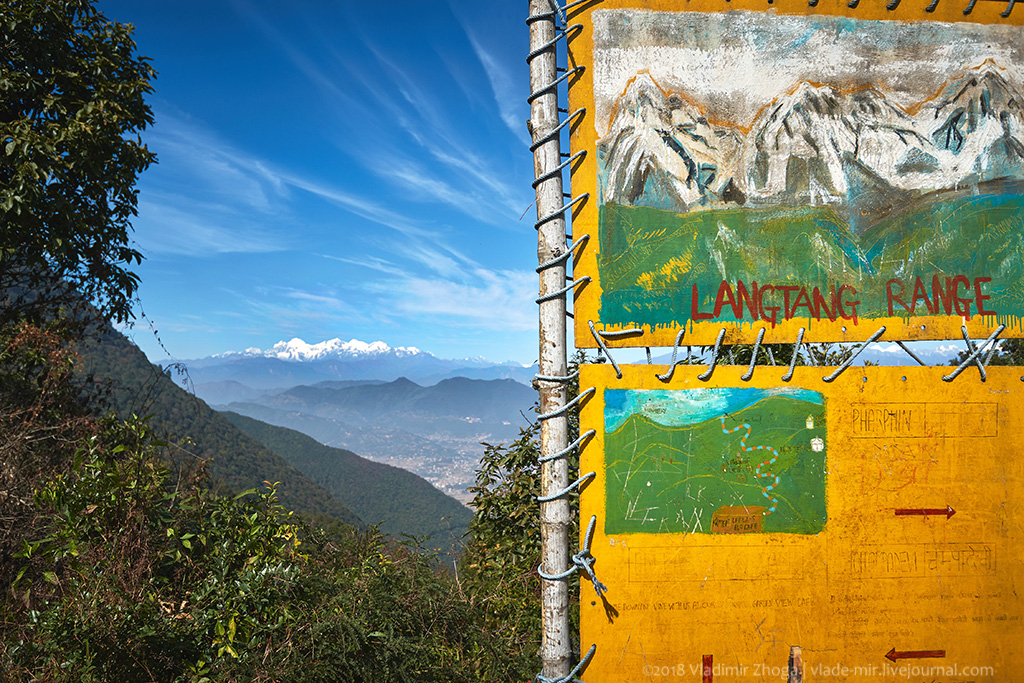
557, 129
568, 406
558, 169
554, 84
559, 212
582, 560
571, 676
568, 489
568, 449
554, 378
575, 28
565, 256
561, 292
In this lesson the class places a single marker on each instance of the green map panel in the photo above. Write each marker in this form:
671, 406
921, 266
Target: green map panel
717, 460
944, 255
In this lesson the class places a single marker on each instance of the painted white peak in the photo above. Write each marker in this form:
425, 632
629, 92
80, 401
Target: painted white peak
298, 350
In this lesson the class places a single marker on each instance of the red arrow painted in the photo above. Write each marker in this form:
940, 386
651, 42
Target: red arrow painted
892, 655
947, 511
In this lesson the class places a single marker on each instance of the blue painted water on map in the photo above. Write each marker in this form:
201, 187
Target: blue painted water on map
684, 407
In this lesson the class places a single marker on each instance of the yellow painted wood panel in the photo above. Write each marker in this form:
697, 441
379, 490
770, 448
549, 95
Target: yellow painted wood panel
916, 551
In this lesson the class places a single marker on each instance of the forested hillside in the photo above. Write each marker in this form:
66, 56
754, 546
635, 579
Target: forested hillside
399, 501
236, 460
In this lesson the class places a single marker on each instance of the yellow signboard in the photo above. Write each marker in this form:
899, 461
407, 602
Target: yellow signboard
875, 522
825, 165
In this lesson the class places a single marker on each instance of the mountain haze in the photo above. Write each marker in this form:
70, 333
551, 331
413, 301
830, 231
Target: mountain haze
434, 431
292, 363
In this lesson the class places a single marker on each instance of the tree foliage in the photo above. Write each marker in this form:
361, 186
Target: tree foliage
137, 573
503, 551
71, 108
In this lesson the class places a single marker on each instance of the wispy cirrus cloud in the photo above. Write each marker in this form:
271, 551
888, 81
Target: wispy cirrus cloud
165, 226
500, 300
385, 115
508, 94
243, 201
444, 286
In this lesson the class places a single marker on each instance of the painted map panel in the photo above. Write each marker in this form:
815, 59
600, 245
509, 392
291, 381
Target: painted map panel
834, 173
719, 460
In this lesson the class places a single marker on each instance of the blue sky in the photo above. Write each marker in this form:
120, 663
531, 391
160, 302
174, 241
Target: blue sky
336, 169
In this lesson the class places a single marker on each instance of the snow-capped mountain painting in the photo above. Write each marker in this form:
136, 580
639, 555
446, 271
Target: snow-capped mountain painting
802, 148
811, 153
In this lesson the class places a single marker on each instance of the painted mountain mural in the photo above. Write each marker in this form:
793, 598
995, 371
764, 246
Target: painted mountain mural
828, 203
817, 145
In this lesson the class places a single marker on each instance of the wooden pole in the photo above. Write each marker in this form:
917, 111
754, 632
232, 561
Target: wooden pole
555, 649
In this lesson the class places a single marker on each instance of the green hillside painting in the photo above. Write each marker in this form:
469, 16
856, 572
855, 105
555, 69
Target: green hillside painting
716, 460
948, 255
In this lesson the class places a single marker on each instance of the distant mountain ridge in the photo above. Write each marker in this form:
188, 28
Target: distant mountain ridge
243, 453
434, 431
298, 349
295, 362
817, 144
196, 430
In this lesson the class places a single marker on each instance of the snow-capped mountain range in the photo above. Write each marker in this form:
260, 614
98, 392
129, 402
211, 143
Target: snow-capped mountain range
295, 362
298, 350
817, 144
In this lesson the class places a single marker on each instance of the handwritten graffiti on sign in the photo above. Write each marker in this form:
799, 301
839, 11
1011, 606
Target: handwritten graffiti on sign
895, 527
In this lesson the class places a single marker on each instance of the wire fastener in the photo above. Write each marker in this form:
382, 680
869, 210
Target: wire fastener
554, 295
601, 336
706, 375
673, 363
554, 84
552, 378
558, 212
557, 129
568, 489
910, 353
568, 406
796, 352
973, 355
568, 449
849, 361
571, 676
551, 43
558, 169
565, 256
581, 560
753, 357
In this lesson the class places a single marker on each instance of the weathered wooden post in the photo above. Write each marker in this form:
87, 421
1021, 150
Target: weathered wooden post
555, 651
